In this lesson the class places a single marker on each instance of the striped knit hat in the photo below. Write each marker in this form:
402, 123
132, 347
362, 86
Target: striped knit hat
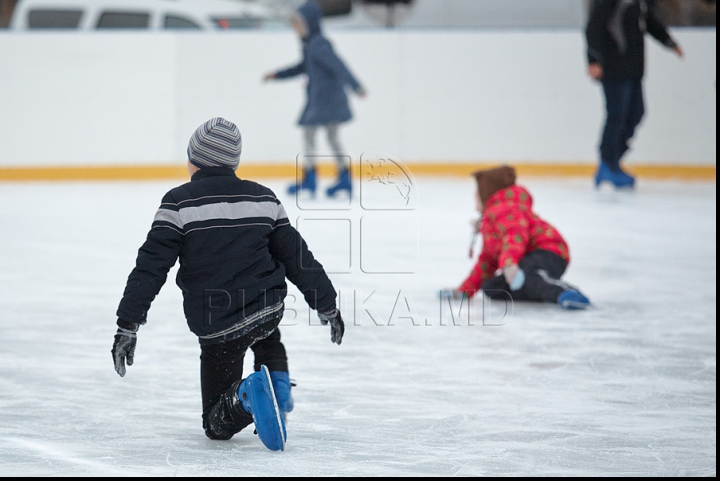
216, 143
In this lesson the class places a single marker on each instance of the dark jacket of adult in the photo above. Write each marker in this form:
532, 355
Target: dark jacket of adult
327, 102
236, 247
616, 36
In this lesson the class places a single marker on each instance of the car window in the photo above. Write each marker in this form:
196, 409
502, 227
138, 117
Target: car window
176, 22
231, 23
124, 20
54, 19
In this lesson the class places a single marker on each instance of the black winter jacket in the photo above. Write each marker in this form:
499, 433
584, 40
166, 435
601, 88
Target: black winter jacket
616, 36
236, 247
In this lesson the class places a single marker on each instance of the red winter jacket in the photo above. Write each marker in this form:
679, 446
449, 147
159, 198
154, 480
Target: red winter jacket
510, 230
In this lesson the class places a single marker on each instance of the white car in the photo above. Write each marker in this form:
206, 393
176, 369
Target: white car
142, 15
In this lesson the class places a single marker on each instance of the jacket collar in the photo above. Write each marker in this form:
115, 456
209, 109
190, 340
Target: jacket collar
515, 194
212, 172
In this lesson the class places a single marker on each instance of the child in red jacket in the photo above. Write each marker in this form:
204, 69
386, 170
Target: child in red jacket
522, 254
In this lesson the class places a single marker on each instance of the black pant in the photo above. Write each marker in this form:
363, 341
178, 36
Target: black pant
221, 369
543, 270
625, 109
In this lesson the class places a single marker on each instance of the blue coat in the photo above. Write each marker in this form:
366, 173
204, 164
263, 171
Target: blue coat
327, 102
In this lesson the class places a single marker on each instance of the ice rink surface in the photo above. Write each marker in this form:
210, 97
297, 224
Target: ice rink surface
627, 388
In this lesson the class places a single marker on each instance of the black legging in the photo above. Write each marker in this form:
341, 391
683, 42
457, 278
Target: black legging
221, 370
543, 270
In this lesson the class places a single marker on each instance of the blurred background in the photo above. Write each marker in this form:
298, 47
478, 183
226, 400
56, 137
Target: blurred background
461, 13
113, 89
118, 86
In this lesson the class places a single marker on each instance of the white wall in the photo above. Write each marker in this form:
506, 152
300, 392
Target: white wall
465, 13
122, 98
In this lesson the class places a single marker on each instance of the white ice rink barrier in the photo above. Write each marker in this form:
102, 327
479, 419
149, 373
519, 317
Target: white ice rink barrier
435, 97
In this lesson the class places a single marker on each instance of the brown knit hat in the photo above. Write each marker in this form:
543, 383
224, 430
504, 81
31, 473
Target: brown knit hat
491, 180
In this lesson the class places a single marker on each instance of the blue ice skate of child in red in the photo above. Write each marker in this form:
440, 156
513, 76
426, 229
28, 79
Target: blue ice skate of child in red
257, 396
572, 299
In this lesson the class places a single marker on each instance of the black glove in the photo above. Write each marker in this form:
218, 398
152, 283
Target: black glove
337, 326
124, 346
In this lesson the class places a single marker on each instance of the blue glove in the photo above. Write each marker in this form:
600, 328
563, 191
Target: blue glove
514, 276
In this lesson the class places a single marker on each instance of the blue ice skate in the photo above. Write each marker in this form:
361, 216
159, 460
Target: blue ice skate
258, 398
572, 299
343, 183
281, 385
309, 182
618, 179
626, 180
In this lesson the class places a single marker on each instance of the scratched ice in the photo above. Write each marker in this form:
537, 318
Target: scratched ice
625, 388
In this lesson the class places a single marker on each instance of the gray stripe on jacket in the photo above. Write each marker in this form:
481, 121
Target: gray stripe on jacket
221, 210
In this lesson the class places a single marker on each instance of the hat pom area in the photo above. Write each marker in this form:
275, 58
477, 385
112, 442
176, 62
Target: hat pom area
216, 143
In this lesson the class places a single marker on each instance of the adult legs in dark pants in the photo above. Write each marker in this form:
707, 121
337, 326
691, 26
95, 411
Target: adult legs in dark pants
221, 372
625, 109
543, 270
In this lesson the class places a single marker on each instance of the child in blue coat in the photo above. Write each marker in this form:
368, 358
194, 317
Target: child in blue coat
327, 102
